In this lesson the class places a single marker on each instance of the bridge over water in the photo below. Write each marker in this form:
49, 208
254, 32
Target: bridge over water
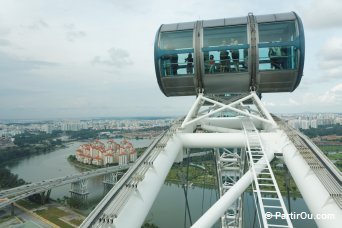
9, 196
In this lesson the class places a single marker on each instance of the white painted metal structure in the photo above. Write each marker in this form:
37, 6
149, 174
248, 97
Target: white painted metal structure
230, 166
251, 129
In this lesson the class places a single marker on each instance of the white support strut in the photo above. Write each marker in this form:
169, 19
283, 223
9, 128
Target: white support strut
218, 209
211, 140
141, 201
314, 193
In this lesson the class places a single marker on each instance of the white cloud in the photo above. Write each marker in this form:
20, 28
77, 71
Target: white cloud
292, 102
4, 42
332, 96
38, 24
72, 33
10, 64
331, 51
4, 30
330, 58
269, 104
318, 14
314, 101
117, 57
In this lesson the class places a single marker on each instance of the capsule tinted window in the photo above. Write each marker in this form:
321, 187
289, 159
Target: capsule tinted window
277, 31
278, 46
225, 49
176, 40
223, 35
177, 53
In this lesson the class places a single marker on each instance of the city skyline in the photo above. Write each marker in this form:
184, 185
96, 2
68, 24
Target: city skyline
85, 59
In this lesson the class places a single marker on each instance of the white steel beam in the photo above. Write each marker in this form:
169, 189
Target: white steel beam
211, 140
230, 122
194, 110
219, 129
140, 202
222, 205
313, 191
263, 109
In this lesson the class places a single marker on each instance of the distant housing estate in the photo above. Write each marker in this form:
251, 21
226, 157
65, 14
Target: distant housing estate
312, 120
99, 153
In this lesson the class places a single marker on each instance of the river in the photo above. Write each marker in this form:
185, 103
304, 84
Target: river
168, 211
55, 164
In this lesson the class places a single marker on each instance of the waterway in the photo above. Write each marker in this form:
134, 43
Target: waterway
169, 208
55, 164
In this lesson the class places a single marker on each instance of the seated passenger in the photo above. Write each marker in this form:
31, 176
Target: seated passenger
211, 64
224, 61
189, 66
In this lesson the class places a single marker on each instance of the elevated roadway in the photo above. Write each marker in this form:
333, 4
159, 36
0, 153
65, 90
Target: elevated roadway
9, 196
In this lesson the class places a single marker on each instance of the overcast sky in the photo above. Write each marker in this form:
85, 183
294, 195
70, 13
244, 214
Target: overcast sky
92, 58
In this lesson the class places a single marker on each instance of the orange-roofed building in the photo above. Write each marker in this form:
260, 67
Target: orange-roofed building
99, 153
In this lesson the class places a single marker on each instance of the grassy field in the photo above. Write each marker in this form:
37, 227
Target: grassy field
28, 204
337, 158
5, 218
53, 215
331, 148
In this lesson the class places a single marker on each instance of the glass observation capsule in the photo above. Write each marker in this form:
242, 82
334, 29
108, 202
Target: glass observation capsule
232, 55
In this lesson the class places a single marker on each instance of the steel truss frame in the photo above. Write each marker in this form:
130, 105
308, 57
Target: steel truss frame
226, 131
230, 165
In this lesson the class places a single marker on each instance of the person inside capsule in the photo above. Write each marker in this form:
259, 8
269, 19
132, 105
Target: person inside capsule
235, 54
278, 57
211, 64
166, 62
274, 54
189, 66
224, 59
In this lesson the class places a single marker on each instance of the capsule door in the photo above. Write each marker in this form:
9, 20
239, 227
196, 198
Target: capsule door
225, 56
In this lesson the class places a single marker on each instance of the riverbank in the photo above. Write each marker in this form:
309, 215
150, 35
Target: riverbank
72, 159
